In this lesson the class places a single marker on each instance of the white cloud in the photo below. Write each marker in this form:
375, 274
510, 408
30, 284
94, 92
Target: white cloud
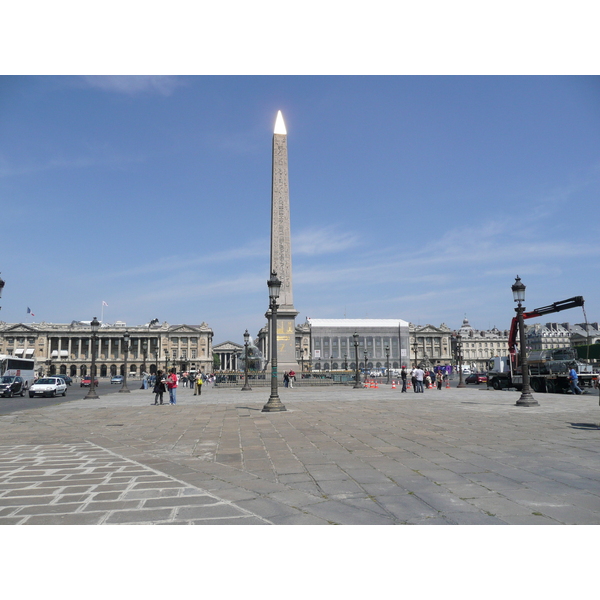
326, 240
134, 84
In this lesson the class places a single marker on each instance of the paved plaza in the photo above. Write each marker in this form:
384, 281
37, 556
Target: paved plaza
336, 456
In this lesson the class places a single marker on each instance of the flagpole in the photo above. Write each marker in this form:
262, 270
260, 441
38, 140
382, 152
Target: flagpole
102, 313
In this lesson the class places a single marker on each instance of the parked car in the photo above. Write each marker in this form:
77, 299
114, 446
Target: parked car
87, 381
476, 378
11, 386
49, 387
117, 379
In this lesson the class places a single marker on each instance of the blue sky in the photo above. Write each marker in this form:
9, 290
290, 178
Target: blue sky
418, 198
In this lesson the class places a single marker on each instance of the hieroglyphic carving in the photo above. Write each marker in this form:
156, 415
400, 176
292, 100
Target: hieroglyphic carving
281, 259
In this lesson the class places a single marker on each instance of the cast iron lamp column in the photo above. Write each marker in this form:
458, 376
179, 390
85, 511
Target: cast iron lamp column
274, 404
415, 348
124, 387
246, 387
461, 384
526, 399
365, 353
387, 363
166, 361
145, 355
95, 325
357, 374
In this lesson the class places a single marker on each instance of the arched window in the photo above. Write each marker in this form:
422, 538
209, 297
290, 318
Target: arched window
103, 370
113, 370
63, 370
83, 371
73, 371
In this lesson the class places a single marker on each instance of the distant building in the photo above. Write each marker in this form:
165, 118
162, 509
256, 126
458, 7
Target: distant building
66, 349
479, 345
550, 335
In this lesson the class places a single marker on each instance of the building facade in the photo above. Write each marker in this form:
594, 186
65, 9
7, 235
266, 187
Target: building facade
479, 345
66, 349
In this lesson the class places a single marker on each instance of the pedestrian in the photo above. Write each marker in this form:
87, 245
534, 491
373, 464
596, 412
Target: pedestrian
286, 379
292, 376
419, 374
413, 378
159, 388
438, 379
573, 382
403, 377
172, 386
198, 386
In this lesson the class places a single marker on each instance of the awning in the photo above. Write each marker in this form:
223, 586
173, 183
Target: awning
19, 351
64, 353
29, 351
54, 354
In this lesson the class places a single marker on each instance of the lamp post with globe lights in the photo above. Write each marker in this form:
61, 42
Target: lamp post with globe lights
126, 339
95, 325
357, 373
274, 404
526, 399
246, 386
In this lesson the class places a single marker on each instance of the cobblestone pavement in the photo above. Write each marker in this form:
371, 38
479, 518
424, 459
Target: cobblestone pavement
337, 456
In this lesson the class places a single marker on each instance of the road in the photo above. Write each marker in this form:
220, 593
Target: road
74, 392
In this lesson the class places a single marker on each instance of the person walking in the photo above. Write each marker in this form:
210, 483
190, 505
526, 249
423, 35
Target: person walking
172, 386
292, 376
198, 386
573, 382
159, 388
286, 379
403, 377
413, 378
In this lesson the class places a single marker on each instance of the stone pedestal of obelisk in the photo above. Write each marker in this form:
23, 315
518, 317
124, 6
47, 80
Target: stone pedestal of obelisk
281, 252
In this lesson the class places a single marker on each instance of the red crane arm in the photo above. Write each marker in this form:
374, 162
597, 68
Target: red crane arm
538, 312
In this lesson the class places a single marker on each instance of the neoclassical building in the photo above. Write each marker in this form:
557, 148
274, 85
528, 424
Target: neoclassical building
479, 345
66, 349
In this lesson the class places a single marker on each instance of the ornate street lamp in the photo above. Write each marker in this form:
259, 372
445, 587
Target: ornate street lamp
345, 362
526, 399
387, 363
145, 354
246, 386
95, 325
415, 348
365, 353
459, 357
274, 404
126, 339
166, 361
357, 373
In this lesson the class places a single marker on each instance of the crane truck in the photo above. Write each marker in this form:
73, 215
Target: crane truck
548, 369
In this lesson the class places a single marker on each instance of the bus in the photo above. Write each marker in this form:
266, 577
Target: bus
20, 367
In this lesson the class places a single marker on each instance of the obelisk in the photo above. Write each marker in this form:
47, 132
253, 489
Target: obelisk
281, 251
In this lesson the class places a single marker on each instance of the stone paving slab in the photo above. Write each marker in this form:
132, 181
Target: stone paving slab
336, 456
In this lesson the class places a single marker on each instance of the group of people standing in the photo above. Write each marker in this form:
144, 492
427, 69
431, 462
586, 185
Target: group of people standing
419, 377
170, 383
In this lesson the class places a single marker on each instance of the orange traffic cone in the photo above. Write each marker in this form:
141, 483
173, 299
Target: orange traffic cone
448, 383
376, 386
393, 384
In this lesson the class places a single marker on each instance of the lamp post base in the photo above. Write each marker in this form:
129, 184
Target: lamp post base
246, 388
527, 399
274, 405
91, 395
124, 390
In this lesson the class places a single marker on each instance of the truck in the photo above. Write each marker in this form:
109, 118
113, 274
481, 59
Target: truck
548, 369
